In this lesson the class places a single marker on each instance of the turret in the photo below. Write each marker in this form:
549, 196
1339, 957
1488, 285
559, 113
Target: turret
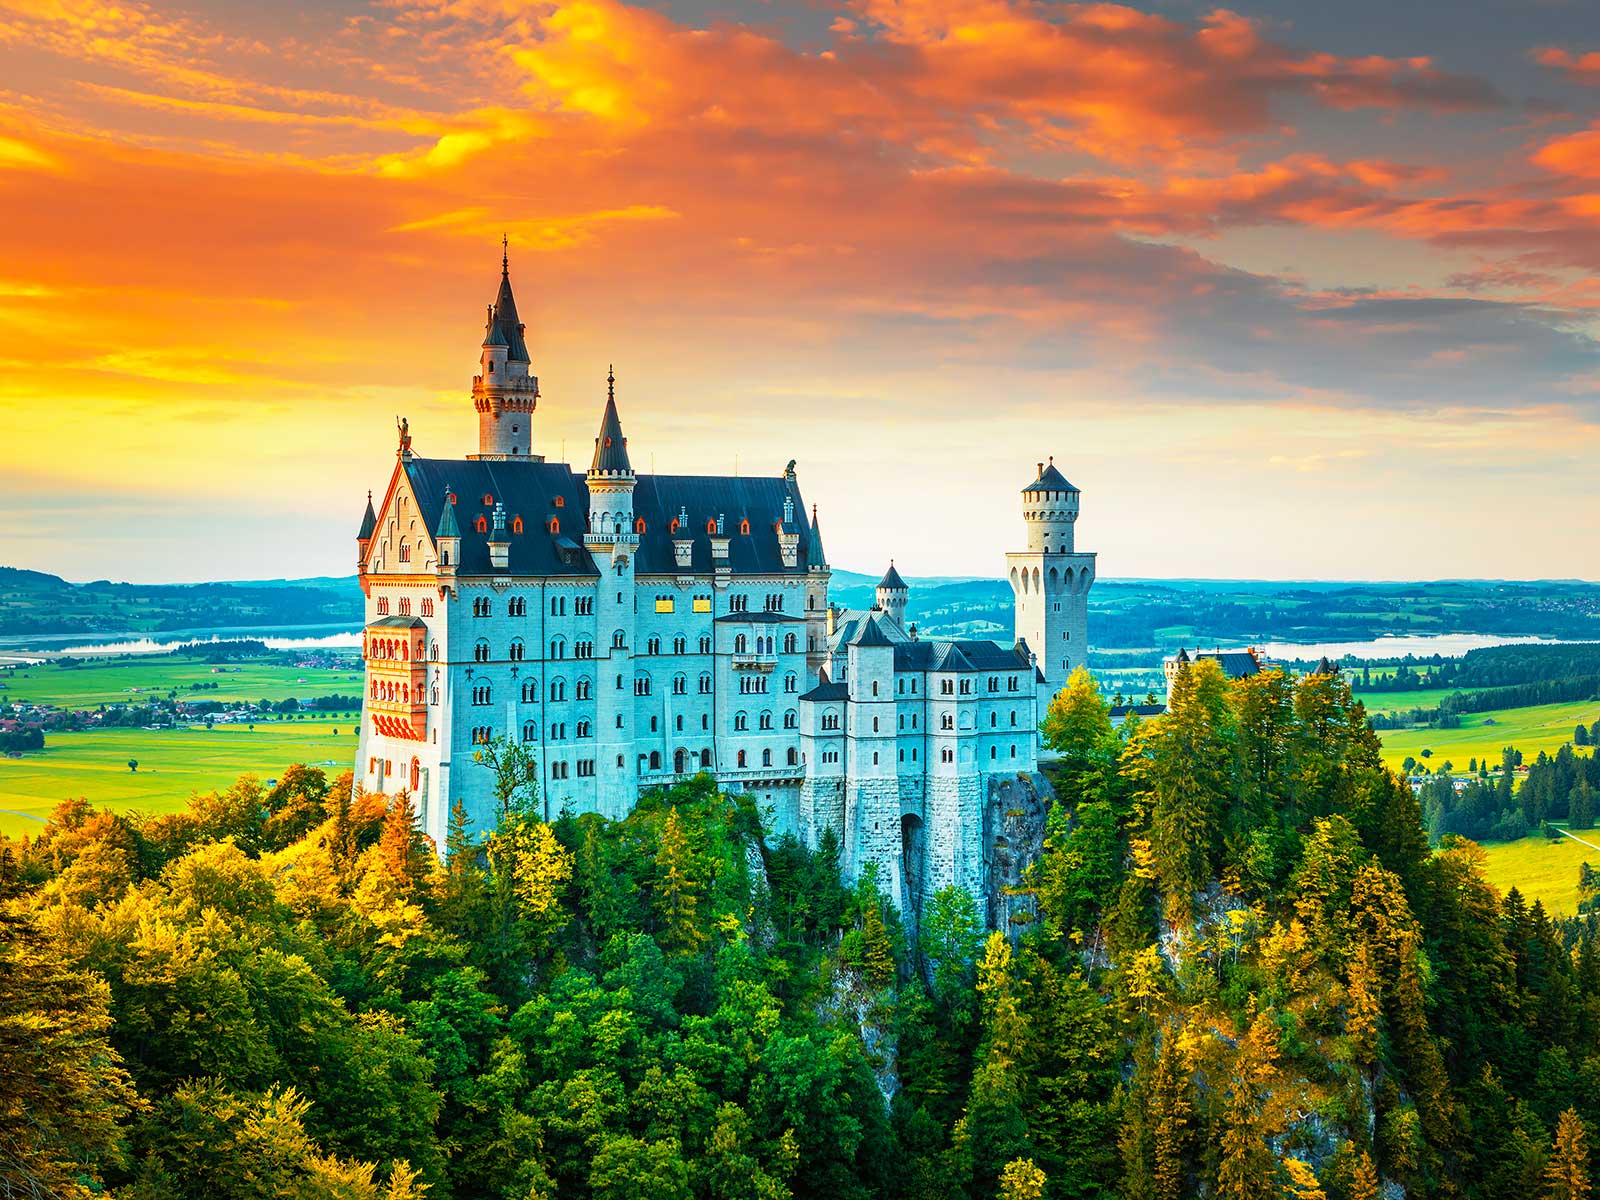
1050, 507
447, 538
892, 594
505, 392
369, 523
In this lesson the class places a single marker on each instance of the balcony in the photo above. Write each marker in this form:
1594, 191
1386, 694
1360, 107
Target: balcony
754, 662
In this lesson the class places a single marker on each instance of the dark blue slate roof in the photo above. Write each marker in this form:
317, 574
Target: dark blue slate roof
529, 489
828, 691
1050, 480
959, 656
891, 578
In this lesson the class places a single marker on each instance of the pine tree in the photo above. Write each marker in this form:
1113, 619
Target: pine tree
1363, 1184
1580, 813
1077, 726
676, 895
1567, 1176
877, 955
401, 848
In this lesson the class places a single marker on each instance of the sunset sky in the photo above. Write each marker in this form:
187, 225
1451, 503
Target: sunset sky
1290, 291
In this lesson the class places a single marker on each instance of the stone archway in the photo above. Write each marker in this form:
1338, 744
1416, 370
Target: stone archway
913, 853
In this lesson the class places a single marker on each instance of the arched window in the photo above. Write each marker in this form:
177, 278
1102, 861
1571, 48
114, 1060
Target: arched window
790, 643
655, 760
405, 550
383, 606
580, 690
741, 758
739, 644
680, 685
585, 729
741, 721
530, 731
705, 685
789, 683
530, 692
558, 648
481, 525
480, 651
618, 639
791, 720
427, 606
744, 527
561, 502
766, 758
766, 720
558, 689
555, 524
638, 525
711, 525
678, 645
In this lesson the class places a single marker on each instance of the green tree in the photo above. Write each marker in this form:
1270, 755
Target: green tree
676, 890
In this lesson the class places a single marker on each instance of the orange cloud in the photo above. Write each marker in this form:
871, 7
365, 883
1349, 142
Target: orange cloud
1579, 68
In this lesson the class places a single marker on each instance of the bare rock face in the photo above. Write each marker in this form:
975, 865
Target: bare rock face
1013, 839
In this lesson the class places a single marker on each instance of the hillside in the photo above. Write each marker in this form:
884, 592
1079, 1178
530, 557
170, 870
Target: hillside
1235, 971
35, 603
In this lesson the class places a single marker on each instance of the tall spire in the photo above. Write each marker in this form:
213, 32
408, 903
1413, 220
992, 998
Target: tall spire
369, 522
504, 316
815, 558
611, 448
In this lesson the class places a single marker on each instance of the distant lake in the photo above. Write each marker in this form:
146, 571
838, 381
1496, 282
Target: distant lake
1450, 645
338, 636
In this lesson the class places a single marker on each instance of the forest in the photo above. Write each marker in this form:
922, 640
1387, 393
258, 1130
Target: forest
1242, 972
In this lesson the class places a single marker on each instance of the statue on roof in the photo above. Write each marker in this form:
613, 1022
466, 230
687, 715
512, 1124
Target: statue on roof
405, 435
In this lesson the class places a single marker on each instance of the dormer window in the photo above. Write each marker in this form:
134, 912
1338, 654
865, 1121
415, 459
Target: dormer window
555, 524
481, 525
744, 527
488, 500
711, 526
516, 524
561, 501
638, 525
674, 526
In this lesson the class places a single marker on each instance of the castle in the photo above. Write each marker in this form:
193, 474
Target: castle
635, 629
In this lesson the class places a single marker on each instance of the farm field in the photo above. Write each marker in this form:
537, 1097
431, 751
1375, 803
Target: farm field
172, 764
126, 678
1541, 869
1394, 701
1545, 727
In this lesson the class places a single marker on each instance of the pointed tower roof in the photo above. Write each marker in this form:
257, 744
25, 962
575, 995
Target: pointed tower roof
447, 519
492, 334
870, 634
1050, 480
1182, 656
814, 555
611, 448
504, 321
891, 578
369, 522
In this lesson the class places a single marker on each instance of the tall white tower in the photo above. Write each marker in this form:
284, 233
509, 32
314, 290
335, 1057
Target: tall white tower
505, 391
1051, 579
611, 541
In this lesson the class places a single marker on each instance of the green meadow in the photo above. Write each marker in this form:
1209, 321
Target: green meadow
1541, 869
125, 679
172, 764
1545, 727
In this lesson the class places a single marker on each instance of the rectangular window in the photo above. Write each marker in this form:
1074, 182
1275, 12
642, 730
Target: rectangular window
702, 604
664, 604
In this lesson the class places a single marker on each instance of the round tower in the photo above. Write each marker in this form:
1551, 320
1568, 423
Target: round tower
505, 392
1050, 507
1051, 580
891, 595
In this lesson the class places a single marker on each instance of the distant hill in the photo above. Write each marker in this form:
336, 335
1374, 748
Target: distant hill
33, 602
1144, 616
